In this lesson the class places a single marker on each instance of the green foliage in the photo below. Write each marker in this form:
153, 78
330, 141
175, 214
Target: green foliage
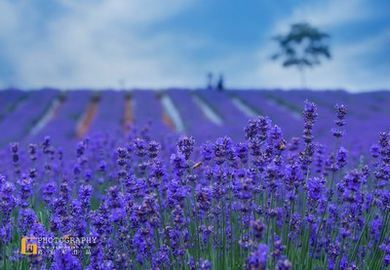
303, 46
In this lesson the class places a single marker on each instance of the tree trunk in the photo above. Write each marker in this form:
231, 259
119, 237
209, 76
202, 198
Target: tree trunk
302, 77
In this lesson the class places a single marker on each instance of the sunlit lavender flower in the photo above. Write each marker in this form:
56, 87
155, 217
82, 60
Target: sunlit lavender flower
85, 193
7, 199
5, 233
258, 128
48, 190
385, 247
376, 227
223, 150
140, 147
258, 229
32, 150
207, 151
341, 112
26, 220
284, 264
341, 157
257, 260
309, 116
15, 157
14, 150
316, 192
278, 248
179, 164
64, 260
46, 144
205, 265
319, 158
185, 146
25, 185
242, 152
153, 149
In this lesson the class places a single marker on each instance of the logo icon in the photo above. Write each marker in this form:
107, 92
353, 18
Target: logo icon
29, 246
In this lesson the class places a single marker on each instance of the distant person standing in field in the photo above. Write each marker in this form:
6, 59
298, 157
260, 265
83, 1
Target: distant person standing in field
220, 84
210, 80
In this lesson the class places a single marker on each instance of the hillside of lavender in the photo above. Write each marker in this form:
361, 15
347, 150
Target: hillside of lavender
195, 179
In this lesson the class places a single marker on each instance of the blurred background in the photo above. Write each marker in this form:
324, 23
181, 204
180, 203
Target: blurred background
175, 43
205, 57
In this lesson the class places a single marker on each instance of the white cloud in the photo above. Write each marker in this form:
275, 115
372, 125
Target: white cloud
98, 43
326, 13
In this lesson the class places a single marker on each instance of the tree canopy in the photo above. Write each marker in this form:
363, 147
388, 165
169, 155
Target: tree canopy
303, 46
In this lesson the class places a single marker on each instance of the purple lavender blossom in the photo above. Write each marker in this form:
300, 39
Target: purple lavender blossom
65, 261
257, 260
159, 202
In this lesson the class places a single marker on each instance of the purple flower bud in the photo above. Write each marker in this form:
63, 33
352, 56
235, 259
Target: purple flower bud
185, 146
258, 229
14, 147
153, 149
140, 147
32, 150
48, 190
341, 157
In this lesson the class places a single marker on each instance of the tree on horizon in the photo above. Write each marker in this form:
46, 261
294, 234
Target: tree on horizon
302, 47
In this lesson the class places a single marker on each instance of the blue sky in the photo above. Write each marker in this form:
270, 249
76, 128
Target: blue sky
174, 43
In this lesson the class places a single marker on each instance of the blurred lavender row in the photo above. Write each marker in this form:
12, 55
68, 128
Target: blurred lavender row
21, 113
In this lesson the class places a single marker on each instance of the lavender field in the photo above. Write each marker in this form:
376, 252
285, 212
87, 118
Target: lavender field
194, 179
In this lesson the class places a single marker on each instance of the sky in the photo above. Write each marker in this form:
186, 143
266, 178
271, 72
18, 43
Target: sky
174, 43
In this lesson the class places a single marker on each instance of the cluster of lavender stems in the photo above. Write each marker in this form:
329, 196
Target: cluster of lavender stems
265, 203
